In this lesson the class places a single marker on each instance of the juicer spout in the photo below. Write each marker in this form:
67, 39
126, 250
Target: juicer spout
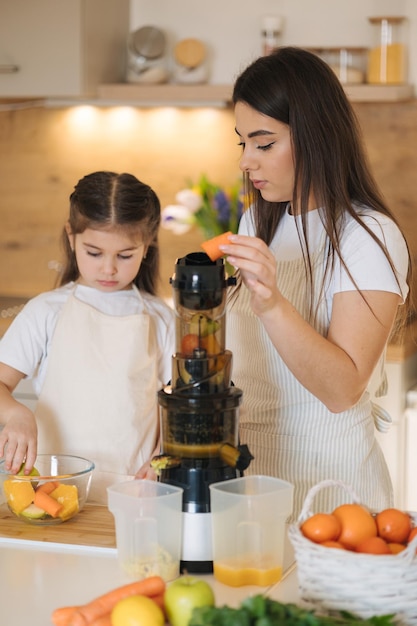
238, 457
163, 462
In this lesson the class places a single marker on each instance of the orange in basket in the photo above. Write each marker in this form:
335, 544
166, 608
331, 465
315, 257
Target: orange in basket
322, 527
393, 525
374, 545
357, 524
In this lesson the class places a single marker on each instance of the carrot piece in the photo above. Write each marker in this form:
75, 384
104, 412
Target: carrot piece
104, 620
48, 504
86, 614
61, 616
48, 487
211, 246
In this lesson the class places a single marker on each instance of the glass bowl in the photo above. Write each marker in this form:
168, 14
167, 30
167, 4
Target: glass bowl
52, 494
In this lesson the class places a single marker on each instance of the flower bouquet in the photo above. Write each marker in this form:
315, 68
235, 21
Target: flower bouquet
206, 205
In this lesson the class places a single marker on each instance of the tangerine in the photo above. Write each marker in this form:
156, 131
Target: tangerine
357, 524
396, 547
333, 544
373, 545
321, 527
393, 525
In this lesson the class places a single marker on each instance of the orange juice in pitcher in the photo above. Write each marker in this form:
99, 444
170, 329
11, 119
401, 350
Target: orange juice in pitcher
244, 571
248, 529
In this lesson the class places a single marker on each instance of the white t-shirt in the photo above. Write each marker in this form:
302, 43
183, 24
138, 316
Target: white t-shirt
26, 344
366, 261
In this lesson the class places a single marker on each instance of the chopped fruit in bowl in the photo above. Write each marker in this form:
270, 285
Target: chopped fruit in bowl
55, 490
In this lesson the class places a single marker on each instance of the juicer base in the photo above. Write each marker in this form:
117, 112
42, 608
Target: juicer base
196, 567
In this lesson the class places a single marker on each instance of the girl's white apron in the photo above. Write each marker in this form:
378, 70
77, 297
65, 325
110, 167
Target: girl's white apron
291, 434
99, 396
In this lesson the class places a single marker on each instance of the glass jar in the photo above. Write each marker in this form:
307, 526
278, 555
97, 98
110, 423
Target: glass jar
387, 60
190, 62
349, 64
146, 56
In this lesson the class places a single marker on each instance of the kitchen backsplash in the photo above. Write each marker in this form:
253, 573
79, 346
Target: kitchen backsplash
44, 153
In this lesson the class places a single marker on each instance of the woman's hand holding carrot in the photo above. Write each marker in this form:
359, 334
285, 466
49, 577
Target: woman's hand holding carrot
257, 265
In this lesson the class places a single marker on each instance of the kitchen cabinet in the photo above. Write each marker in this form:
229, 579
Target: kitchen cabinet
56, 48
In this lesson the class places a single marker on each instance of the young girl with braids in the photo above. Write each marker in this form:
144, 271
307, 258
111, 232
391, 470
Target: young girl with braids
98, 347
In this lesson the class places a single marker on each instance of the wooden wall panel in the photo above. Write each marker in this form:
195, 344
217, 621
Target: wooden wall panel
43, 155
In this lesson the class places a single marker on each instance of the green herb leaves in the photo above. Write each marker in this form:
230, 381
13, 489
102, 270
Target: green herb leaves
262, 611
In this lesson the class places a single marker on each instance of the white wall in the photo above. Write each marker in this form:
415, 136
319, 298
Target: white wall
231, 28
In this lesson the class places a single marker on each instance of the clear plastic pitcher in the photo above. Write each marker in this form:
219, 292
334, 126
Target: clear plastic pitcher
248, 529
148, 520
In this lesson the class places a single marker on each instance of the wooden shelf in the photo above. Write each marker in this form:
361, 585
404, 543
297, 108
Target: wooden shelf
220, 95
154, 95
379, 93
195, 95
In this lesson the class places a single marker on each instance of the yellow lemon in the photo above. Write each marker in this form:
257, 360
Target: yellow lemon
137, 611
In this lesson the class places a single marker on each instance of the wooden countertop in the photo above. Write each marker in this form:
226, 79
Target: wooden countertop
93, 526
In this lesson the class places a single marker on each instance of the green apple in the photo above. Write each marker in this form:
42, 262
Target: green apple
33, 471
33, 512
183, 595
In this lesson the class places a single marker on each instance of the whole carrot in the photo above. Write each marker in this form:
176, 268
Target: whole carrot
159, 600
104, 620
61, 616
86, 614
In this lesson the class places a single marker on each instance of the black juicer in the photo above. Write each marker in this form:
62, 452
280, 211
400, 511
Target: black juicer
199, 409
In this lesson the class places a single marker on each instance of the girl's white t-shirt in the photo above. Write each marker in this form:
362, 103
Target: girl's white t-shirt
365, 260
26, 344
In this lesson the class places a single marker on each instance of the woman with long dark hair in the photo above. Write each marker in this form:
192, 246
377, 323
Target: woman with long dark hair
324, 276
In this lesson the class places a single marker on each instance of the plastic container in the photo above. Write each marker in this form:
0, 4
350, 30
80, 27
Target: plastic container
148, 520
248, 529
387, 60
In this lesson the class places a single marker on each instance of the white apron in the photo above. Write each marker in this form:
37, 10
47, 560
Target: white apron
99, 398
291, 434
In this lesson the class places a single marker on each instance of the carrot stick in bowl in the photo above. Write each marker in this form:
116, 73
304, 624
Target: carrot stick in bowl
211, 246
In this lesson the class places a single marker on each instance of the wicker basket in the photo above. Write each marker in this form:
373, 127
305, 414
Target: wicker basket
331, 580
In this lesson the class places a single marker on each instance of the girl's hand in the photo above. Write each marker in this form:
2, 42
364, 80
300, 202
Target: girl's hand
18, 439
146, 471
258, 269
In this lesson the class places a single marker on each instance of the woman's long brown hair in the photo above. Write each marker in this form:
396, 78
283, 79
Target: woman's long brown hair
297, 88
